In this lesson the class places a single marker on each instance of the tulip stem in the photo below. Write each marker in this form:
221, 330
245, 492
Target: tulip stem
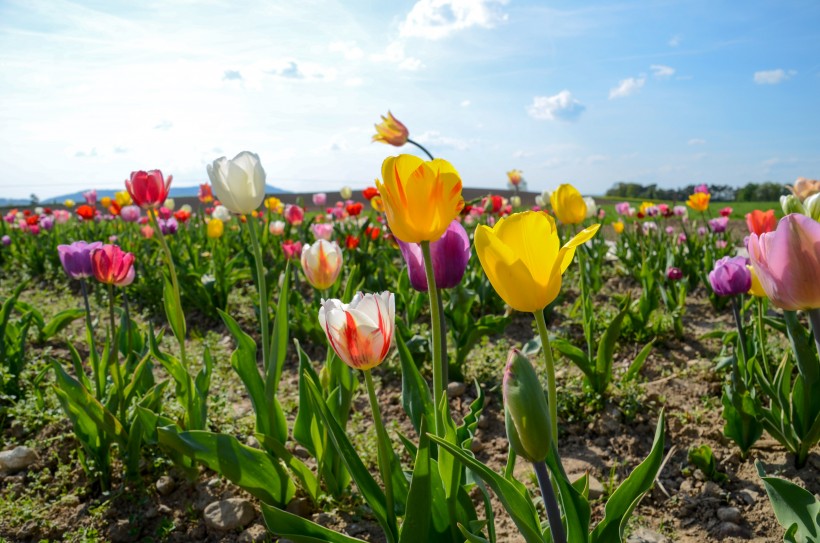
426, 152
114, 358
761, 332
552, 395
814, 319
174, 282
99, 381
435, 314
741, 338
383, 442
263, 291
550, 502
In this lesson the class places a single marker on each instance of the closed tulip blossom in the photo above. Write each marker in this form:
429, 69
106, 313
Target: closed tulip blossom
674, 274
148, 190
239, 184
370, 192
568, 204
294, 214
322, 230
450, 255
345, 193
322, 263
6, 240
90, 197
168, 226
292, 249
759, 222
515, 177
421, 198
592, 207
86, 212
76, 258
222, 213
719, 224
319, 199
787, 262
147, 232
113, 266
215, 228
522, 258
130, 213
391, 131
360, 332
730, 276
725, 212
277, 228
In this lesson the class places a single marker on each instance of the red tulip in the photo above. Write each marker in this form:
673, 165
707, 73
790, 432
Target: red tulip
148, 189
182, 215
370, 192
113, 266
761, 222
292, 249
205, 195
351, 242
86, 212
354, 209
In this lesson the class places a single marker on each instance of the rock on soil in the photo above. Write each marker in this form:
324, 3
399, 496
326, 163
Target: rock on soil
165, 485
645, 535
455, 389
16, 459
229, 514
256, 533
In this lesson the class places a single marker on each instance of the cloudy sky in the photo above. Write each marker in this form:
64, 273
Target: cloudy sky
668, 92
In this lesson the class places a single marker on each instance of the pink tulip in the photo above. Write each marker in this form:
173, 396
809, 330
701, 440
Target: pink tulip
319, 199
292, 249
360, 332
322, 230
787, 262
294, 214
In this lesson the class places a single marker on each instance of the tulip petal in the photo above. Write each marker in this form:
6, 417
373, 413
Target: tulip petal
579, 239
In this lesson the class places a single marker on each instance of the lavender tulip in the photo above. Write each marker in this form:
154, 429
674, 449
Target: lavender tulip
130, 213
719, 224
76, 258
450, 255
6, 240
168, 226
730, 276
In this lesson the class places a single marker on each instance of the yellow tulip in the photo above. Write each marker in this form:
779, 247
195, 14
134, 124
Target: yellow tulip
420, 198
215, 228
618, 226
645, 206
274, 204
568, 204
757, 288
391, 131
123, 198
69, 203
699, 201
522, 258
377, 204
105, 201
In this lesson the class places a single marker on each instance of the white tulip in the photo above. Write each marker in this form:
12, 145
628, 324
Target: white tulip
592, 207
345, 192
222, 213
169, 204
238, 184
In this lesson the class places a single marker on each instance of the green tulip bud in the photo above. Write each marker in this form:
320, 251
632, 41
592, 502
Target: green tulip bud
812, 206
526, 413
791, 204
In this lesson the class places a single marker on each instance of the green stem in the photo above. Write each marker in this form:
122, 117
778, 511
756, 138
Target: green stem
383, 442
439, 386
169, 259
114, 355
99, 380
263, 291
426, 152
550, 502
552, 395
761, 333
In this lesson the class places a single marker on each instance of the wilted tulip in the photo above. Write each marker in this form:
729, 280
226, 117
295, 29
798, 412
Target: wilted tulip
522, 258
113, 266
421, 198
391, 131
215, 228
319, 199
568, 205
450, 255
239, 184
759, 222
322, 263
148, 189
76, 258
787, 262
730, 276
277, 228
526, 413
360, 332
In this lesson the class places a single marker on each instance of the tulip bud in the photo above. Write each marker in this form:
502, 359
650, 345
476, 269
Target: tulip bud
450, 255
730, 276
526, 413
812, 206
791, 204
592, 207
239, 184
322, 263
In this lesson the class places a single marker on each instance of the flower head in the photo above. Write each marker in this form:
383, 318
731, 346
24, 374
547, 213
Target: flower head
420, 198
215, 228
759, 222
148, 189
360, 332
526, 413
674, 274
391, 131
113, 266
699, 201
515, 177
86, 212
319, 199
294, 214
450, 255
205, 193
239, 183
730, 276
568, 205
292, 249
76, 258
719, 224
322, 263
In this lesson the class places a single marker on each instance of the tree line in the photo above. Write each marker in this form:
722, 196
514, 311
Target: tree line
751, 192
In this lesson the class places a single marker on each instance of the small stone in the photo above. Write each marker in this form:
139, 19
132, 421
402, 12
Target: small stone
645, 535
229, 514
123, 532
729, 514
165, 485
253, 442
749, 497
455, 389
596, 489
214, 483
324, 519
476, 446
300, 507
164, 510
254, 534
686, 487
16, 459
151, 512
301, 452
710, 488
196, 532
483, 422
729, 529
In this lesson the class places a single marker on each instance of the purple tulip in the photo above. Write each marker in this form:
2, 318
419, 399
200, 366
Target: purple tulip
670, 230
674, 274
679, 211
47, 222
6, 240
730, 276
703, 188
76, 258
90, 197
130, 213
168, 226
622, 208
719, 224
450, 255
702, 230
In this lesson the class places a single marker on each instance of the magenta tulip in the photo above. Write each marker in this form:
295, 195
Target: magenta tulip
450, 255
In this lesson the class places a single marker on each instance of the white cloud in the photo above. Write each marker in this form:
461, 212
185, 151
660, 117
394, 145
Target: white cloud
436, 19
354, 82
675, 40
560, 107
627, 87
433, 137
394, 54
660, 71
465, 103
773, 77
348, 49
696, 141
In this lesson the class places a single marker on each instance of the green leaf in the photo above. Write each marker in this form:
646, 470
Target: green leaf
60, 321
279, 340
606, 351
415, 395
309, 481
300, 530
627, 496
519, 506
251, 469
576, 355
797, 509
573, 500
172, 311
636, 365
417, 520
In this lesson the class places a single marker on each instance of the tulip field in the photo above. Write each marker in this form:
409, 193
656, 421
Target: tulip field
405, 364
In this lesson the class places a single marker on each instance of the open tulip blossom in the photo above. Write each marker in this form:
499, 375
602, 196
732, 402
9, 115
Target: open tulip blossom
360, 332
730, 276
148, 190
76, 258
322, 263
113, 266
239, 183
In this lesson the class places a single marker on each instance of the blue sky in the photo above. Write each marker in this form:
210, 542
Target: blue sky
667, 92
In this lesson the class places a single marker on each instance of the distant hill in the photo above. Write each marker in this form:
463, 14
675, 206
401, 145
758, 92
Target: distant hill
176, 192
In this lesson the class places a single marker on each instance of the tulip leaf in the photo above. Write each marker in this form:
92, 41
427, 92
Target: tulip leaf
372, 493
251, 469
415, 395
636, 365
173, 311
420, 496
606, 351
305, 430
627, 496
573, 499
279, 340
59, 322
309, 481
576, 355
301, 530
797, 509
518, 506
